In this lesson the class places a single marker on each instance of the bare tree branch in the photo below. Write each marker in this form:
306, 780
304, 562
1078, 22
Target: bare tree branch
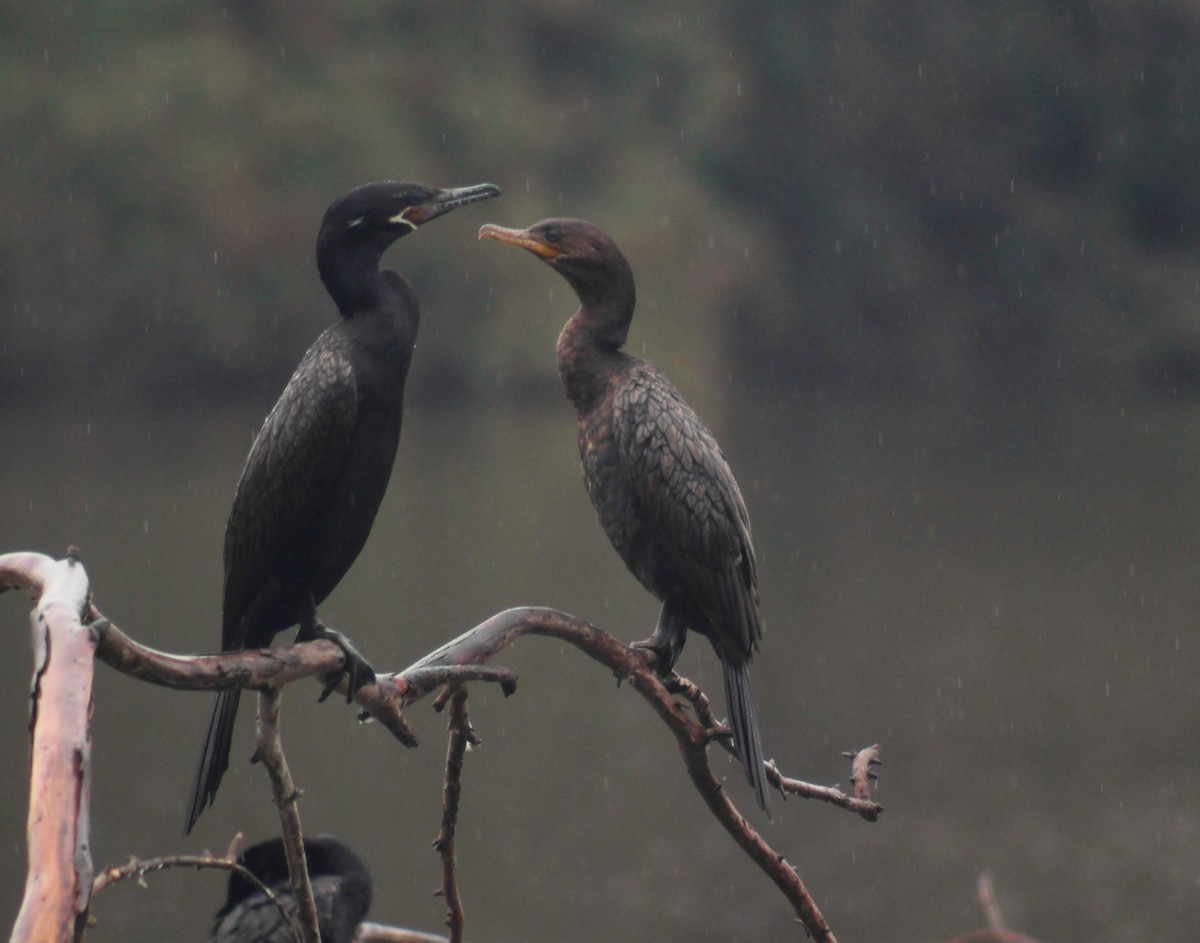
868, 809
457, 661
630, 664
274, 667
461, 736
138, 868
270, 753
58, 884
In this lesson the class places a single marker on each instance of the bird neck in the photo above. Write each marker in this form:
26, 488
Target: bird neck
589, 353
350, 273
385, 321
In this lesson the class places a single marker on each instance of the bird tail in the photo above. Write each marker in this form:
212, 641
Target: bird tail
214, 759
744, 722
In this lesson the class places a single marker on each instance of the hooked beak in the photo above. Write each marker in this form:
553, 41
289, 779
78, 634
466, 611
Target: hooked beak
445, 201
521, 238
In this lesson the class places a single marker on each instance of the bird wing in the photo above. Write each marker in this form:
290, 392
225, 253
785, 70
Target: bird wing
289, 474
679, 477
256, 919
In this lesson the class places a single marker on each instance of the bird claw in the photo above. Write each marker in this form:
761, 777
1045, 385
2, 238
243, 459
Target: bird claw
673, 683
664, 652
357, 670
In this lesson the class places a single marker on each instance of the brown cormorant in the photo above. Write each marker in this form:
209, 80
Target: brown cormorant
341, 884
656, 476
319, 467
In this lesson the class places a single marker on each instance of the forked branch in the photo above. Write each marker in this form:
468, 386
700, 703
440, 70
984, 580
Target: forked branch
693, 736
462, 659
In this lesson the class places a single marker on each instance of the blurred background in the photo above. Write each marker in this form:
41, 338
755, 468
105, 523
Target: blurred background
930, 274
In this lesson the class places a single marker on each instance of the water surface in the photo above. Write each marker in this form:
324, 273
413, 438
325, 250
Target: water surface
1007, 601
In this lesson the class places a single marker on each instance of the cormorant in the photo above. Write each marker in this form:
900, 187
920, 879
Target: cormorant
341, 886
319, 467
656, 476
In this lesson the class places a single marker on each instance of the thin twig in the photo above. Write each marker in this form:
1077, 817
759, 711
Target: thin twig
461, 736
794, 787
138, 868
270, 753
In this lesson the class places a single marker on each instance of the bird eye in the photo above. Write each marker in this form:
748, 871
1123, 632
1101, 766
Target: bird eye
415, 199
553, 234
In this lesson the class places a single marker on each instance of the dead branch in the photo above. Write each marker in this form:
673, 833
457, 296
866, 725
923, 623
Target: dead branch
630, 664
138, 868
59, 878
258, 669
867, 808
461, 736
457, 661
269, 752
997, 931
58, 884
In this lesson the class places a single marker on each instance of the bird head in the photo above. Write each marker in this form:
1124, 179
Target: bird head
588, 258
391, 209
359, 227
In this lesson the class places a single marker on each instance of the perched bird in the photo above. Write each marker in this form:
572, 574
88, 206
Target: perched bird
341, 884
656, 476
318, 469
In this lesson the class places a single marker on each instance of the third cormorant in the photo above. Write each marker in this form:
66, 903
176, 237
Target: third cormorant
341, 885
319, 467
656, 476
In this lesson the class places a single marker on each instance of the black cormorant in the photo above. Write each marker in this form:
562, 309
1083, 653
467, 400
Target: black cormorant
341, 886
656, 476
319, 467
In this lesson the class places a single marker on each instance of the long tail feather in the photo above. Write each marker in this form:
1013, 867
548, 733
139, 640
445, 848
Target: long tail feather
214, 759
744, 722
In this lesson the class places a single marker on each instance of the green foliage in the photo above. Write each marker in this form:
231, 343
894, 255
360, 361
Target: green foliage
972, 199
